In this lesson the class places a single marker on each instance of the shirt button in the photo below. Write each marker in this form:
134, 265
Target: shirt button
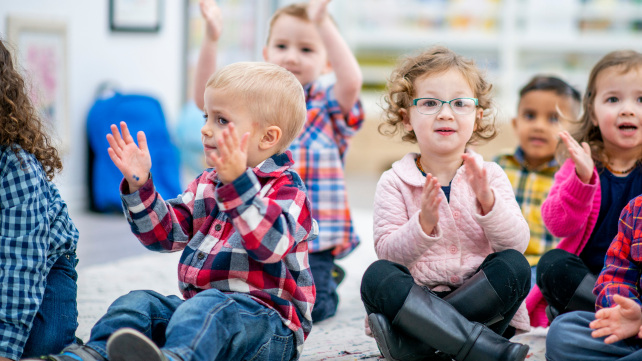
218, 227
453, 249
456, 214
454, 279
200, 256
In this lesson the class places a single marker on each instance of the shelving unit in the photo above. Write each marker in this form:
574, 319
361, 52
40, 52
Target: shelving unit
512, 39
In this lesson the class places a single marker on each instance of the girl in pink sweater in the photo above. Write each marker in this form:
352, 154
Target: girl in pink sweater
593, 186
449, 234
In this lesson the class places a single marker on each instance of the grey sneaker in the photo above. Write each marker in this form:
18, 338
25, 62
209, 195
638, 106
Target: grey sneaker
71, 353
128, 344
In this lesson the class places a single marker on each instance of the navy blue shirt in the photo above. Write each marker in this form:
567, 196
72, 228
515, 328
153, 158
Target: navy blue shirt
616, 193
446, 190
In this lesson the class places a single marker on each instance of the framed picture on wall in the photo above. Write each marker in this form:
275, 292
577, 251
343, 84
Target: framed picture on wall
40, 51
135, 15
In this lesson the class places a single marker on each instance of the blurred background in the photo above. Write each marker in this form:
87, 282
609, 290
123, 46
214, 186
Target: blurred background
78, 54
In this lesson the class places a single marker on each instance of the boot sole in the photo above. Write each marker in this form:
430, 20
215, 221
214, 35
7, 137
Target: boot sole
128, 344
377, 332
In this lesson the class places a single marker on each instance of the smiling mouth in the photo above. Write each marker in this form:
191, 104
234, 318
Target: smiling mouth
537, 140
445, 131
627, 127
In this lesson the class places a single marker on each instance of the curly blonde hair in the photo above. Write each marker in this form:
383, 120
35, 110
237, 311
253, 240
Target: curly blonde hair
438, 59
20, 124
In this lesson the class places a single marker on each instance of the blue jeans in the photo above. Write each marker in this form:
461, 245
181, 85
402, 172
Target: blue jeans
54, 326
209, 326
569, 338
533, 276
327, 301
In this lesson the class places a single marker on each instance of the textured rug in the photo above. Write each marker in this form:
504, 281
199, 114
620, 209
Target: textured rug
338, 338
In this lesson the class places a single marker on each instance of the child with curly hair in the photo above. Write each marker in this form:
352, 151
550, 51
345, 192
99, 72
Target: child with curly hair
38, 313
449, 234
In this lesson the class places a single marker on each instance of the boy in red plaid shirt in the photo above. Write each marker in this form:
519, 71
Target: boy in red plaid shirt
610, 333
243, 228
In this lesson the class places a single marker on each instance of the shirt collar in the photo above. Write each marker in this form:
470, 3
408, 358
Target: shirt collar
518, 156
272, 167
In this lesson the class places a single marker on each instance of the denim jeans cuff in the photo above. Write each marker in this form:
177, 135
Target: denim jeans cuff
100, 350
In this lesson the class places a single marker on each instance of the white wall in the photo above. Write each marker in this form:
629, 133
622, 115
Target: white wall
138, 62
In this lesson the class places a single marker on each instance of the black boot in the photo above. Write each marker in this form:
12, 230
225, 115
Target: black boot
397, 346
477, 300
437, 324
582, 300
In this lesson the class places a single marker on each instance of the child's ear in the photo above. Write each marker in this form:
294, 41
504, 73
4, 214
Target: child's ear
271, 137
405, 119
265, 53
514, 123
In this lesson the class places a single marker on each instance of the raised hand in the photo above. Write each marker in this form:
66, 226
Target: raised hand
231, 161
430, 200
133, 161
318, 10
213, 19
581, 155
478, 180
619, 322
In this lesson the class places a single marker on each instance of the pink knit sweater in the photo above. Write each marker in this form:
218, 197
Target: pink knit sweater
463, 238
570, 211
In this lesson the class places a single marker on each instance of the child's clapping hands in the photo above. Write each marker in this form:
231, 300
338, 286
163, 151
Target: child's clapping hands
213, 19
619, 322
133, 161
478, 179
429, 215
581, 155
231, 160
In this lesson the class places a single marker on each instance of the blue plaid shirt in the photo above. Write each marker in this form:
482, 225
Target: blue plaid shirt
35, 229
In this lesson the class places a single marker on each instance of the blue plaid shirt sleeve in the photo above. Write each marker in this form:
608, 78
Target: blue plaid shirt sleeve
24, 236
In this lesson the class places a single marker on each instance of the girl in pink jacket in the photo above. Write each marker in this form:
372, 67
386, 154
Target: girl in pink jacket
598, 180
449, 234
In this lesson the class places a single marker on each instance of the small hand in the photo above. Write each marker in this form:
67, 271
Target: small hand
619, 322
318, 11
231, 161
430, 200
581, 155
213, 19
133, 162
478, 180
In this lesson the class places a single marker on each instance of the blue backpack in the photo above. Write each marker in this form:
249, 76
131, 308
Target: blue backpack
140, 113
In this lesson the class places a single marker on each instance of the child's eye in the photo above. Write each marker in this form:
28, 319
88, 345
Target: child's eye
529, 116
205, 117
281, 46
430, 103
553, 119
307, 50
612, 100
640, 100
221, 121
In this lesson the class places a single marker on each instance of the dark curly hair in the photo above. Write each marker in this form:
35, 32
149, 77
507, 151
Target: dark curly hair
20, 124
435, 60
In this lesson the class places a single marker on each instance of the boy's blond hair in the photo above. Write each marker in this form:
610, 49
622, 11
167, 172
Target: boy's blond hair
297, 10
401, 90
271, 93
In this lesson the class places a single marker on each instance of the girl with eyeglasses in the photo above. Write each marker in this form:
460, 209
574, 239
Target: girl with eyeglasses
451, 279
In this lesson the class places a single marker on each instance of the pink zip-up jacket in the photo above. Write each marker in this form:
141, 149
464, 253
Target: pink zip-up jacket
463, 238
570, 211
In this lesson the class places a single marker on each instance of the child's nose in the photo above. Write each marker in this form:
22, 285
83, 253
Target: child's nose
206, 131
291, 56
445, 112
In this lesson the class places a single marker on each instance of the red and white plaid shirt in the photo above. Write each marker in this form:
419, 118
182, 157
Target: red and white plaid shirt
249, 236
